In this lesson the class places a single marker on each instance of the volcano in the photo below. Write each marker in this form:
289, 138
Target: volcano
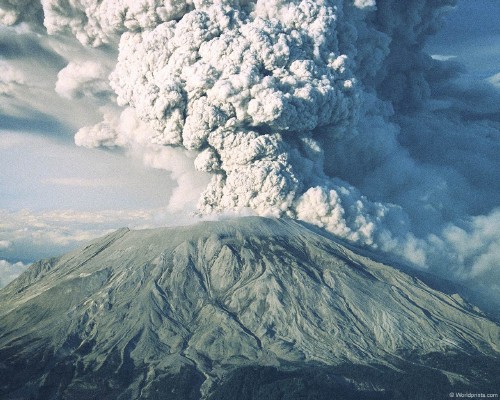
245, 308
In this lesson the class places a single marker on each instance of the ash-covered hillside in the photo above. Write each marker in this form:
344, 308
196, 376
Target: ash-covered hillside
249, 308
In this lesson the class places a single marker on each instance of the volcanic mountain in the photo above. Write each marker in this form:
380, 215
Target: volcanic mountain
248, 308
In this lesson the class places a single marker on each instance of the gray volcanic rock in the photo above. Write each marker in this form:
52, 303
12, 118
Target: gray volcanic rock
245, 308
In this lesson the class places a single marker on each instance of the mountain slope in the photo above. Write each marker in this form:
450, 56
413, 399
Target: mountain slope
190, 311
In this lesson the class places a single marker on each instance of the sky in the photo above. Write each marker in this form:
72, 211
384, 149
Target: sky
55, 195
394, 150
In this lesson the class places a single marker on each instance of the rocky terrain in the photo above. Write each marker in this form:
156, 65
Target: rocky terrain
248, 308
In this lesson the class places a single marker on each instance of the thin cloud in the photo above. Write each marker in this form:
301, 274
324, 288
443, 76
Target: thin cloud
5, 244
495, 80
82, 182
10, 271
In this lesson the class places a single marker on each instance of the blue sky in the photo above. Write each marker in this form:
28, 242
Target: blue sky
55, 195
472, 35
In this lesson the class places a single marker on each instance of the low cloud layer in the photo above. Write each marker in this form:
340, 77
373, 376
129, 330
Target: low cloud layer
326, 111
28, 236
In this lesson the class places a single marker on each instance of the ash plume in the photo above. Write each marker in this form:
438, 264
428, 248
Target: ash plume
326, 111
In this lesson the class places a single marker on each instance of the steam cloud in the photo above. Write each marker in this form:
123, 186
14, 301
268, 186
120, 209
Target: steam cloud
327, 111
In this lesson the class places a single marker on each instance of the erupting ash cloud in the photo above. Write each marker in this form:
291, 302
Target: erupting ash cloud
253, 87
327, 111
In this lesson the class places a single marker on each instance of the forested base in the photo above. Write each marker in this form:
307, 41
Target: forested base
357, 382
42, 377
266, 383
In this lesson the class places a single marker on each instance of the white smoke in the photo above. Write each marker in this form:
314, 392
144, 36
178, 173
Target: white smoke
9, 78
327, 111
85, 79
98, 22
122, 128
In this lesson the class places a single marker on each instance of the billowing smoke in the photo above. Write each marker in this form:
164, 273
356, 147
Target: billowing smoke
253, 87
327, 111
85, 79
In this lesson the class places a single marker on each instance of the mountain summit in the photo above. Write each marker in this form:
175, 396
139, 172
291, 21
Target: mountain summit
249, 308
